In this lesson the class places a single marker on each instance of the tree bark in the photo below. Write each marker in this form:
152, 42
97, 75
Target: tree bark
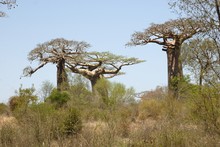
175, 73
62, 81
218, 11
93, 81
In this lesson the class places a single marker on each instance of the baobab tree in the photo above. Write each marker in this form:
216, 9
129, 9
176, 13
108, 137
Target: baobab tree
97, 65
57, 51
10, 4
207, 12
170, 35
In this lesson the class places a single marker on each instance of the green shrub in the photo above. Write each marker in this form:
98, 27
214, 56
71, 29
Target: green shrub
23, 99
205, 108
72, 123
58, 98
113, 94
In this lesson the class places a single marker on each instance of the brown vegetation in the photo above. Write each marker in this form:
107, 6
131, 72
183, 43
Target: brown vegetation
84, 120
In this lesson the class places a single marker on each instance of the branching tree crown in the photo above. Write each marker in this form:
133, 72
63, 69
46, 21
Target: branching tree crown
57, 51
201, 57
208, 13
96, 65
170, 35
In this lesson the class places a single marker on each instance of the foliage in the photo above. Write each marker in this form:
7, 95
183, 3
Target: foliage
45, 90
113, 94
58, 98
151, 108
118, 121
206, 108
171, 35
57, 51
201, 59
4, 109
80, 89
7, 135
23, 98
72, 123
96, 65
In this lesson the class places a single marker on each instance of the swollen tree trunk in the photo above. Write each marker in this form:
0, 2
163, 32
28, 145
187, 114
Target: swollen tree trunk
174, 70
93, 81
62, 81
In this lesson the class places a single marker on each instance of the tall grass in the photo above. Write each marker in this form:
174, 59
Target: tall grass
114, 122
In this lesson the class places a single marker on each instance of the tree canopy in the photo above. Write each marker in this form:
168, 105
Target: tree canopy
205, 48
57, 51
95, 65
201, 58
73, 55
170, 35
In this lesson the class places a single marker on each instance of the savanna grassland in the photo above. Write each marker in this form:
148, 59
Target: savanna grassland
87, 110
111, 117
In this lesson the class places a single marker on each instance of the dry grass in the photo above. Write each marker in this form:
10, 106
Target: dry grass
7, 120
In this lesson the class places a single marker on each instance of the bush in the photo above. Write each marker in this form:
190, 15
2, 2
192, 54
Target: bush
23, 99
72, 123
8, 134
58, 98
151, 108
205, 106
113, 94
4, 109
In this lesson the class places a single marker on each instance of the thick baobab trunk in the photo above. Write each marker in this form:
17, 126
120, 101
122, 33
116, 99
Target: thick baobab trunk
93, 81
62, 81
174, 70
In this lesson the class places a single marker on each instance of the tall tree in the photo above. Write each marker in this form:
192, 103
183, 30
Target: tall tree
10, 4
56, 51
208, 13
95, 65
171, 36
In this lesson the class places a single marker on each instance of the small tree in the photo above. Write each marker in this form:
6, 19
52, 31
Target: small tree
46, 90
23, 99
58, 98
113, 94
201, 57
96, 65
56, 51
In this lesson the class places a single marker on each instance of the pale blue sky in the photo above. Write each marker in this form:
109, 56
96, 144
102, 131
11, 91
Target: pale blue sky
106, 24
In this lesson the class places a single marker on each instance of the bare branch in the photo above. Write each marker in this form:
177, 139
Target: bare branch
28, 71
